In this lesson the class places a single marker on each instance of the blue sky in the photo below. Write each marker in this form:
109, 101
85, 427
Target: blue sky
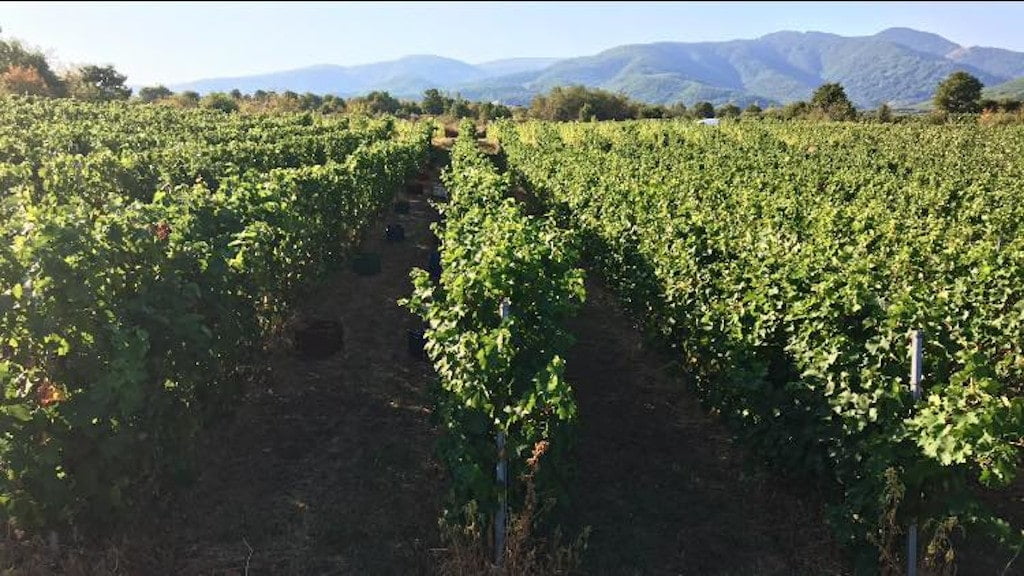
175, 42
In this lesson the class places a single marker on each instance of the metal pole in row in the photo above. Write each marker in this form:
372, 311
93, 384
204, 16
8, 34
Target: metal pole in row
501, 471
501, 516
916, 363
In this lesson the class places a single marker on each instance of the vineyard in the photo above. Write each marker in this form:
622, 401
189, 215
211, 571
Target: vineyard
786, 265
146, 254
153, 259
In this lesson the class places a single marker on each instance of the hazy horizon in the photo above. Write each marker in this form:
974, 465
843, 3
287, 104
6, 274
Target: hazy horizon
173, 43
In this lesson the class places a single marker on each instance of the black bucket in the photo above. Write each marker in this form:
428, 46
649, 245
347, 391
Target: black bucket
416, 342
319, 339
394, 233
434, 265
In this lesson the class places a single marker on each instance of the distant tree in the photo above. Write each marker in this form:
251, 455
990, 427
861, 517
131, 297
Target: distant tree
236, 94
287, 101
752, 110
332, 105
563, 103
830, 99
658, 111
23, 80
219, 101
434, 102
97, 84
382, 102
988, 105
586, 113
728, 111
310, 101
1010, 105
703, 110
271, 101
186, 99
14, 55
795, 110
459, 108
408, 109
677, 110
376, 102
959, 93
154, 93
651, 111
487, 111
884, 113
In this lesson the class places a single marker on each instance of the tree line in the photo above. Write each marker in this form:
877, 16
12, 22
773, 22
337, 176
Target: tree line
959, 93
27, 72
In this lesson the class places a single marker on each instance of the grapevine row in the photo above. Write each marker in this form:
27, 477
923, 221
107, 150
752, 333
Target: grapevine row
498, 376
130, 302
787, 263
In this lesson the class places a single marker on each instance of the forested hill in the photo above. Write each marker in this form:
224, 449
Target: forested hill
897, 66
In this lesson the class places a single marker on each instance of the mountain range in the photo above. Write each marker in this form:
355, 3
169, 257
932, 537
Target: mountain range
898, 66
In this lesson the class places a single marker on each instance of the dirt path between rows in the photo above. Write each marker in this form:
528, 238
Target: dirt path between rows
662, 486
329, 466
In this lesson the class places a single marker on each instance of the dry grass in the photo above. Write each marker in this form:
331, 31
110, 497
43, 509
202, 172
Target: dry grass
37, 557
990, 118
526, 553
